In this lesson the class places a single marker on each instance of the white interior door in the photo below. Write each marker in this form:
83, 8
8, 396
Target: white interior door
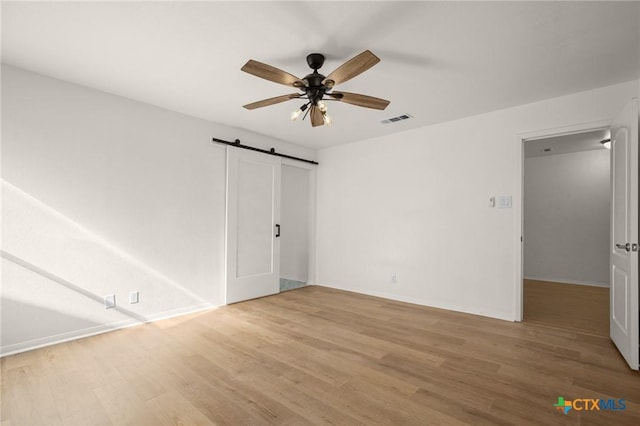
623, 314
253, 214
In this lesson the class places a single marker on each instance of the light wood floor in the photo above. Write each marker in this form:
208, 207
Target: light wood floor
317, 355
574, 307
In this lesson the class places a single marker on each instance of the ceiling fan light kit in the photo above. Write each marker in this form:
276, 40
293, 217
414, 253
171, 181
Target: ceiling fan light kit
317, 88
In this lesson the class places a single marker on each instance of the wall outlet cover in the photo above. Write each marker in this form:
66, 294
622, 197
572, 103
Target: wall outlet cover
110, 301
134, 297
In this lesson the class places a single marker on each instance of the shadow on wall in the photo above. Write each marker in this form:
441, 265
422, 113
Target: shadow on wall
49, 276
47, 320
59, 272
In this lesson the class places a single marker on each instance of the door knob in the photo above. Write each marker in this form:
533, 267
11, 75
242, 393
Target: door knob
626, 247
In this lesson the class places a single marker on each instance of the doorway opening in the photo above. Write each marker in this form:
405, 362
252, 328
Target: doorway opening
566, 205
623, 225
296, 211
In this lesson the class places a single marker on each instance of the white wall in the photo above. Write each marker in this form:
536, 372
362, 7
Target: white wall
102, 194
566, 217
294, 214
416, 204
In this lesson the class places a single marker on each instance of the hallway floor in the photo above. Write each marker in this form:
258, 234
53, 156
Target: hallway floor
567, 306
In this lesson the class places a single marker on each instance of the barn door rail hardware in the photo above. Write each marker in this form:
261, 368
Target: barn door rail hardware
271, 151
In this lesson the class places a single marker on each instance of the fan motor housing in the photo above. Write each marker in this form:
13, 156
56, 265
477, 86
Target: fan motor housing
314, 79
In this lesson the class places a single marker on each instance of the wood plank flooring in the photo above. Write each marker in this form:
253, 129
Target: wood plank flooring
568, 306
320, 356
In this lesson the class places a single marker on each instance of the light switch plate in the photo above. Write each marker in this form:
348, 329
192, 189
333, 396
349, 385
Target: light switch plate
504, 202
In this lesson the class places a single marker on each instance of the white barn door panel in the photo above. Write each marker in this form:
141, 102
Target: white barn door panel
253, 214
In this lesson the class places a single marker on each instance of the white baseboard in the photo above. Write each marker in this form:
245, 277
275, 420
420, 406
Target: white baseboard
99, 329
430, 303
567, 281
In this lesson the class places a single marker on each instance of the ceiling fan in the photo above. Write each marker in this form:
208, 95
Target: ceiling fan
315, 87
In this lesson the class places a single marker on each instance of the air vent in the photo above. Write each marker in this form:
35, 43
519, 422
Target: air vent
396, 119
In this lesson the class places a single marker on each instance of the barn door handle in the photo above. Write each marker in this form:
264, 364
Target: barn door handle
277, 230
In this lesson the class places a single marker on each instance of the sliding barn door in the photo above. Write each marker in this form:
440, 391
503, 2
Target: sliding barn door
253, 214
623, 316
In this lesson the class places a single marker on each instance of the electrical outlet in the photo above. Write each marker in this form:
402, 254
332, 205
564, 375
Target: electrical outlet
134, 297
394, 278
110, 301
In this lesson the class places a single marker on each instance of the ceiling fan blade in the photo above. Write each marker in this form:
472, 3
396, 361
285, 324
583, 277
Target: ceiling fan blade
353, 67
360, 100
271, 101
317, 119
271, 73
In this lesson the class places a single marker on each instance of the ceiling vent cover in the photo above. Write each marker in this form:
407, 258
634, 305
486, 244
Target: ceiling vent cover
396, 119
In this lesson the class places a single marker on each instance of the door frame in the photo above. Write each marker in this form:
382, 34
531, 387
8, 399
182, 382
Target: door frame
312, 261
518, 195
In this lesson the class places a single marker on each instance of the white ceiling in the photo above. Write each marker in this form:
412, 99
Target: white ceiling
440, 60
566, 144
